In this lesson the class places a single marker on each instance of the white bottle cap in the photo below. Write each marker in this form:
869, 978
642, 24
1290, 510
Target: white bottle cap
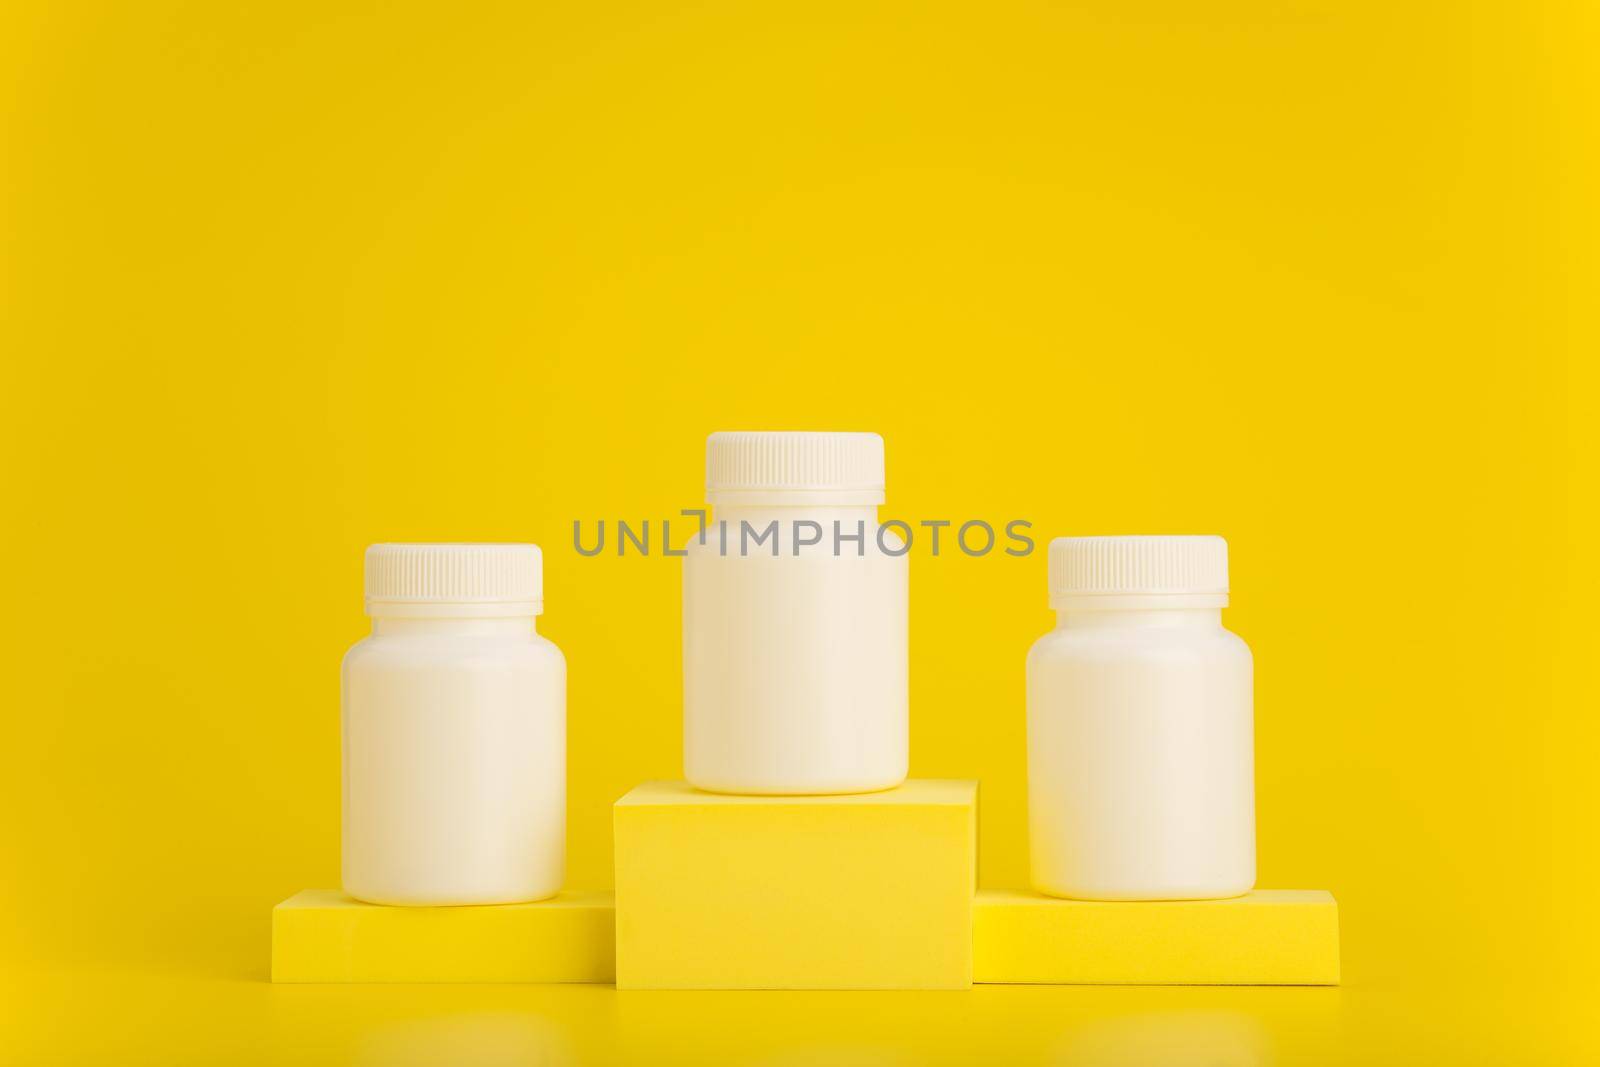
794, 468
486, 580
1117, 572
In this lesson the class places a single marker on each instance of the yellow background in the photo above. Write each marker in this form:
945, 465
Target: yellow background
281, 280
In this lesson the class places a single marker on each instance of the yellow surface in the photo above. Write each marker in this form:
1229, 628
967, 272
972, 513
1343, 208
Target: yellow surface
281, 280
184, 1018
1268, 937
872, 891
321, 935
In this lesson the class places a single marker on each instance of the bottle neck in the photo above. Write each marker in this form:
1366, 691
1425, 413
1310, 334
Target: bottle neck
1139, 618
504, 626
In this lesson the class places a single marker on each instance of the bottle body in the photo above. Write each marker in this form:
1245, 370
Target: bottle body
454, 763
795, 653
1141, 757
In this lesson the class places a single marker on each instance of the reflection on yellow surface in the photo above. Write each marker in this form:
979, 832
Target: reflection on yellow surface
487, 1039
181, 1019
1175, 1039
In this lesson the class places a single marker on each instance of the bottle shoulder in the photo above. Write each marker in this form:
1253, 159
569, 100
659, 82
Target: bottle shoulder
399, 651
1239, 645
1170, 644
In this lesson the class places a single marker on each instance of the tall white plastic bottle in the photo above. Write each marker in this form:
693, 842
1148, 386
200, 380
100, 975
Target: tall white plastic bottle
795, 621
1141, 763
455, 758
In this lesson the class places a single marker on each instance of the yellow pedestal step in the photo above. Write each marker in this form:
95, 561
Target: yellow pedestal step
321, 935
871, 891
1267, 937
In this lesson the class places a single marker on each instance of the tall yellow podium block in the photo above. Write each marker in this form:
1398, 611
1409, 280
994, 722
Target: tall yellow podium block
321, 935
872, 891
1267, 937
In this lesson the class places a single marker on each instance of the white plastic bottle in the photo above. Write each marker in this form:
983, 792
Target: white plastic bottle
454, 731
1141, 761
794, 621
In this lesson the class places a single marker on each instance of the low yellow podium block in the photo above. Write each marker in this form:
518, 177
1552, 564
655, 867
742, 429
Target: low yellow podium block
1267, 937
322, 935
872, 891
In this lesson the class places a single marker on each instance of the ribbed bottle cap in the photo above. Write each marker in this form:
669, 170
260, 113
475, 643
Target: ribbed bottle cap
794, 468
1105, 571
461, 579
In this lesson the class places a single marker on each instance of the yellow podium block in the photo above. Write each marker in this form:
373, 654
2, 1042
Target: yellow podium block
322, 935
872, 891
1267, 937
